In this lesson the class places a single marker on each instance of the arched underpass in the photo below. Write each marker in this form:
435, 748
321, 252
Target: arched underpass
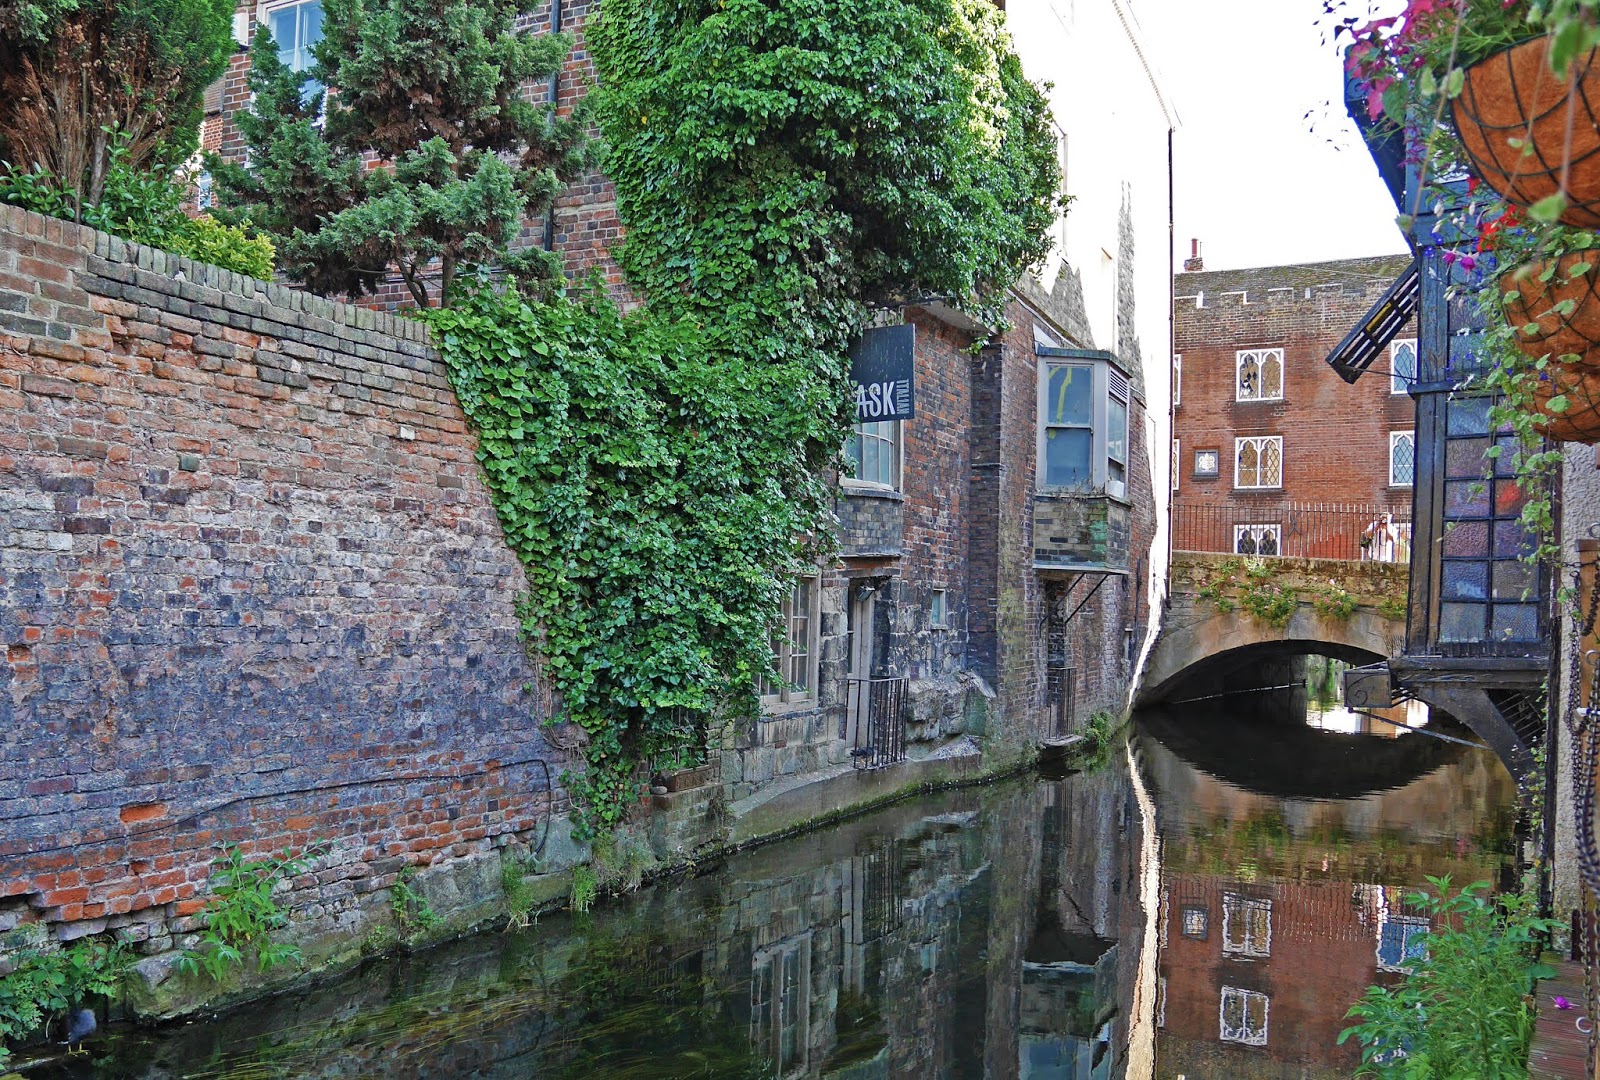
1215, 640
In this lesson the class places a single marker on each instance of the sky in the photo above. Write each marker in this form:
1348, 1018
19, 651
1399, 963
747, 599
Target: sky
1268, 169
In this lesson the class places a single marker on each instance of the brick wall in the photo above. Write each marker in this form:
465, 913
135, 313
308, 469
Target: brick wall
252, 591
1335, 435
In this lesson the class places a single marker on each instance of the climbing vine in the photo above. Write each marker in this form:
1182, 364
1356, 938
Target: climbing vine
782, 169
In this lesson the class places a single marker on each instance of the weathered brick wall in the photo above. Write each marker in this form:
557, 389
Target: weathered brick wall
1335, 435
252, 591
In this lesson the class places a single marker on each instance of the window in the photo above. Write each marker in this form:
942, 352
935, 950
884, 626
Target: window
1258, 539
1400, 941
1402, 366
1402, 458
296, 28
1116, 432
1246, 925
794, 647
1177, 460
1195, 922
1069, 425
780, 1004
938, 617
1083, 425
1258, 462
1260, 375
1243, 1016
874, 453
1177, 379
1206, 463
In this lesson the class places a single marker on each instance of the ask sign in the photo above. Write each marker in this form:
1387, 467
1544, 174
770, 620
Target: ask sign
881, 368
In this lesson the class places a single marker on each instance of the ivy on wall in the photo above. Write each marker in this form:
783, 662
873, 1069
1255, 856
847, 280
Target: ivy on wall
781, 168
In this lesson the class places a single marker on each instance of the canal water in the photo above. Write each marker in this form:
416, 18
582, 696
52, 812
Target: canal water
1207, 903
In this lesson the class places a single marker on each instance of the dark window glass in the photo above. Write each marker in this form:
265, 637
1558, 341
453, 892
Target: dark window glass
1516, 622
1462, 622
1464, 458
1466, 498
1468, 539
1466, 581
1512, 580
1469, 416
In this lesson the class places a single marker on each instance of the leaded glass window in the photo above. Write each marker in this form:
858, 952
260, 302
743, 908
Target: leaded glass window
1402, 458
1258, 462
1402, 365
1260, 374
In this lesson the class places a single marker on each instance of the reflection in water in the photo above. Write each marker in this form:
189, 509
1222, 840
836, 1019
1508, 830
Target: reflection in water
1148, 919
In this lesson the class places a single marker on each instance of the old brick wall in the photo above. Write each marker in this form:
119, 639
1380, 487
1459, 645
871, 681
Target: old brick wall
252, 591
1335, 435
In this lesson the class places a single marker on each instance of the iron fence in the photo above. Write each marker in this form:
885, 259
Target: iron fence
876, 715
1299, 530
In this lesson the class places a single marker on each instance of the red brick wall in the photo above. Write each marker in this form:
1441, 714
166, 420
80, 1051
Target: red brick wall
1335, 435
252, 590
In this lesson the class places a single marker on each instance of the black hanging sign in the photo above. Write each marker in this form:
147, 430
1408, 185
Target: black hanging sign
881, 365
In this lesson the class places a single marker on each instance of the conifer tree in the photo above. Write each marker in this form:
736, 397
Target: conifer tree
424, 158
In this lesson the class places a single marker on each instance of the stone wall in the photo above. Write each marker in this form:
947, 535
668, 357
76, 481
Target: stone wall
252, 591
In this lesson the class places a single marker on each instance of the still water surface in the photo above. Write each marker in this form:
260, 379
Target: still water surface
1207, 904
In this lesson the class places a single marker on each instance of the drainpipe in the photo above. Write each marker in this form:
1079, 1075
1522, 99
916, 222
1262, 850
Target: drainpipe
1172, 341
555, 87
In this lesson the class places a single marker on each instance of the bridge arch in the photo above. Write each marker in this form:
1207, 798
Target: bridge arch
1224, 643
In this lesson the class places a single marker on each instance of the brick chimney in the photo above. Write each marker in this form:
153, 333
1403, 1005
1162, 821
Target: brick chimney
1194, 261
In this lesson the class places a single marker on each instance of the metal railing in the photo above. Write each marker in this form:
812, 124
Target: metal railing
876, 717
1299, 530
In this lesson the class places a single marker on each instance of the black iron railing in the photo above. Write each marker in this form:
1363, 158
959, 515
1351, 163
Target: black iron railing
1298, 530
876, 715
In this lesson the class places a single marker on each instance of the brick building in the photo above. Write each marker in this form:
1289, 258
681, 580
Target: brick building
1264, 430
253, 581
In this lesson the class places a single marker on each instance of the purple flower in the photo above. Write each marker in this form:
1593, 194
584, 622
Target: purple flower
1561, 1002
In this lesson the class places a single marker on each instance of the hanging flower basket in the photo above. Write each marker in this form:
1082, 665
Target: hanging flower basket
1561, 318
1522, 128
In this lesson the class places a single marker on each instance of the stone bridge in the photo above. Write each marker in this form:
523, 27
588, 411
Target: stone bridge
1231, 618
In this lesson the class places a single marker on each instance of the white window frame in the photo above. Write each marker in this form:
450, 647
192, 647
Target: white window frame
1244, 1034
1395, 438
1260, 442
1401, 384
1103, 390
1249, 947
1415, 925
895, 439
1256, 532
1261, 356
264, 11
1177, 379
1177, 463
785, 697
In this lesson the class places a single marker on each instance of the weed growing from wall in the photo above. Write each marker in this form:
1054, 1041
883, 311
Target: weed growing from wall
46, 981
244, 912
781, 169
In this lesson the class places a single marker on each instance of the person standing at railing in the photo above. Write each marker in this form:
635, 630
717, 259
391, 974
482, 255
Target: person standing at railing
1380, 542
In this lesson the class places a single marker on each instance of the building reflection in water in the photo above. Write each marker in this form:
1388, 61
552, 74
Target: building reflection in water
1038, 929
1276, 913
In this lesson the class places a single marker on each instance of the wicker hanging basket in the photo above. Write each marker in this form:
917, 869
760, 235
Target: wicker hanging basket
1542, 330
1523, 129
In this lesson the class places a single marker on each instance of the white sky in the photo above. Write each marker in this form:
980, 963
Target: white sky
1268, 168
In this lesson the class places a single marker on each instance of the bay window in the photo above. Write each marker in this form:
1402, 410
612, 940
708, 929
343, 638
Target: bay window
1083, 422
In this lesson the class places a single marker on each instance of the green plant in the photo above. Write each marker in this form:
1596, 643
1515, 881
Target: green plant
1333, 602
1390, 608
46, 981
411, 909
244, 912
145, 206
663, 473
426, 160
74, 71
1465, 1007
584, 889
